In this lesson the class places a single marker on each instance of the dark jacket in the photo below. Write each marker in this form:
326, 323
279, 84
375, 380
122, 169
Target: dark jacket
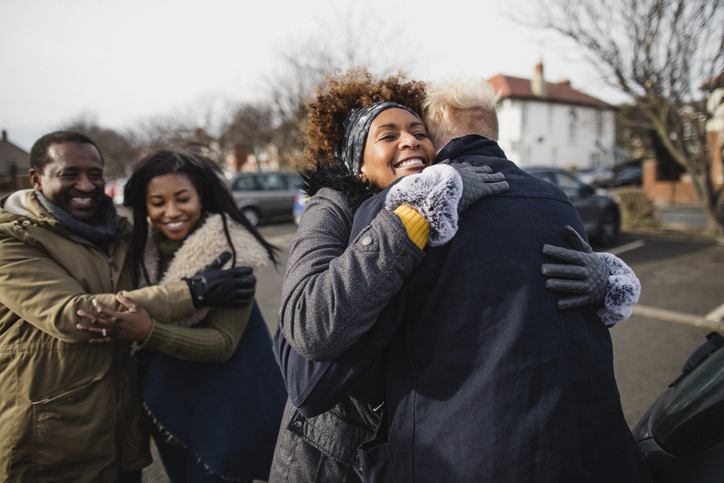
486, 380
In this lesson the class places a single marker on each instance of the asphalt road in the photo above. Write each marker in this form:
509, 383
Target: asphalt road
682, 284
682, 300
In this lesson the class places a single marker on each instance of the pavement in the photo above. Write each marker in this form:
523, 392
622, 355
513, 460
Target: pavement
682, 216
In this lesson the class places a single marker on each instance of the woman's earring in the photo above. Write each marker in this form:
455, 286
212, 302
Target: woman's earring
148, 219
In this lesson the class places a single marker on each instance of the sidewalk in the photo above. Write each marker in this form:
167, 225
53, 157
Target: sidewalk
682, 217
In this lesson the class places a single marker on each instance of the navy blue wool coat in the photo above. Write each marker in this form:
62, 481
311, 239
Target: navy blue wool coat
486, 380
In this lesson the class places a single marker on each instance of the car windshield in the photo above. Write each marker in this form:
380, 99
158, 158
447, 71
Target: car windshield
691, 418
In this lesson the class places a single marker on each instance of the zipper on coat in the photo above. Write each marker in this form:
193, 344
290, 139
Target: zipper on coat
113, 267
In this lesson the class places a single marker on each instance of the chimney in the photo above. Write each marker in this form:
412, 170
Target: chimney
538, 84
565, 82
5, 136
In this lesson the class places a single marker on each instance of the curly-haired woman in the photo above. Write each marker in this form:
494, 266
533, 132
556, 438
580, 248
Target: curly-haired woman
362, 133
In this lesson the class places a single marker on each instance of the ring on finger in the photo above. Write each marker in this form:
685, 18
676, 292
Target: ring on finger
104, 333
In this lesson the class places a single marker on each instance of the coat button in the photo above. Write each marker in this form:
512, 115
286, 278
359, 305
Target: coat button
366, 240
297, 425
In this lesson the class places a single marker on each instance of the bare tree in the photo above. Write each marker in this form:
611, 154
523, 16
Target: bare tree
352, 39
118, 149
251, 128
658, 52
199, 127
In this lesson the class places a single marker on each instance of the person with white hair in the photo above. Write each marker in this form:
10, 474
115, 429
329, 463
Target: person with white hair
301, 432
485, 380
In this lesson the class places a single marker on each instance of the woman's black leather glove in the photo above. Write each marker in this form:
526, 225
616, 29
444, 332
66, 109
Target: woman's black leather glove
213, 286
581, 272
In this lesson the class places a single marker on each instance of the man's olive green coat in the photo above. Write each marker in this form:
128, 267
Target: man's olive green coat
69, 410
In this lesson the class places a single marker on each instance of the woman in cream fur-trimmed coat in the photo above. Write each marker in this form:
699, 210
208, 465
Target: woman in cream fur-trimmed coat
215, 397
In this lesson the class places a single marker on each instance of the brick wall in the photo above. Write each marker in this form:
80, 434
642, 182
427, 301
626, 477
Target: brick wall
682, 191
667, 192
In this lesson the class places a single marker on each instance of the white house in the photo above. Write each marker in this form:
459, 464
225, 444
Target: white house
543, 123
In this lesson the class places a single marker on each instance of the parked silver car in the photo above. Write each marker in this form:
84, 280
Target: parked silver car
599, 211
265, 196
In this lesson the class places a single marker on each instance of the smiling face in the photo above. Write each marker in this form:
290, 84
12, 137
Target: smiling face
73, 179
397, 145
173, 205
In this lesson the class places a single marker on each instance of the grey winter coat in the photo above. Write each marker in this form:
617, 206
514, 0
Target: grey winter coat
332, 292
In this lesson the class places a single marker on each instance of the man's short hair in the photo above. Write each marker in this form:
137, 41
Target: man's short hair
39, 152
457, 107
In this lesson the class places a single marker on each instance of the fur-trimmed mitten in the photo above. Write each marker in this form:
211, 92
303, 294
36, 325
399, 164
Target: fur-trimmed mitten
623, 290
478, 182
600, 280
434, 193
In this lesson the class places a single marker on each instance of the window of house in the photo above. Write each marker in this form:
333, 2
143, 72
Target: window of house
599, 123
572, 125
550, 117
595, 160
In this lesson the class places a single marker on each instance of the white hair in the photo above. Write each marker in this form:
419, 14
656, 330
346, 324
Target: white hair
457, 107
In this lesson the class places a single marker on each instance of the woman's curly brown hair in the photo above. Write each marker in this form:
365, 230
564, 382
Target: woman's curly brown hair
344, 92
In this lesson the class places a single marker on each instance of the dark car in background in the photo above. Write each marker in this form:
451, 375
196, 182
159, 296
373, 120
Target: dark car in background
629, 176
599, 211
265, 196
682, 435
597, 177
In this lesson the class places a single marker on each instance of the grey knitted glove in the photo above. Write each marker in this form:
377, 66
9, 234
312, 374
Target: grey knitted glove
434, 193
582, 272
478, 182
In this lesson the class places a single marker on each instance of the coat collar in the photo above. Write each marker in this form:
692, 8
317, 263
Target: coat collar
469, 144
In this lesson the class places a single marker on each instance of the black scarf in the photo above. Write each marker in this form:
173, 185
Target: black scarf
103, 231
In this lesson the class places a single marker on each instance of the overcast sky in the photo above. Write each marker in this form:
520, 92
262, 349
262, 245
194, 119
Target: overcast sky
124, 61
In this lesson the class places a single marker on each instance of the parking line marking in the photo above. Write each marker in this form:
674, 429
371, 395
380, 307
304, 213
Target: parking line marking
678, 317
716, 315
627, 247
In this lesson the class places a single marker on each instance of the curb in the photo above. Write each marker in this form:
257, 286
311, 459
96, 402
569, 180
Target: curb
677, 237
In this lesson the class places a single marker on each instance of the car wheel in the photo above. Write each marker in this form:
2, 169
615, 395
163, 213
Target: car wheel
608, 228
251, 215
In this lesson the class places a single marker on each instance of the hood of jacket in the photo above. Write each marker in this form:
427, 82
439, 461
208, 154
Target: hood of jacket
335, 176
22, 209
200, 249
